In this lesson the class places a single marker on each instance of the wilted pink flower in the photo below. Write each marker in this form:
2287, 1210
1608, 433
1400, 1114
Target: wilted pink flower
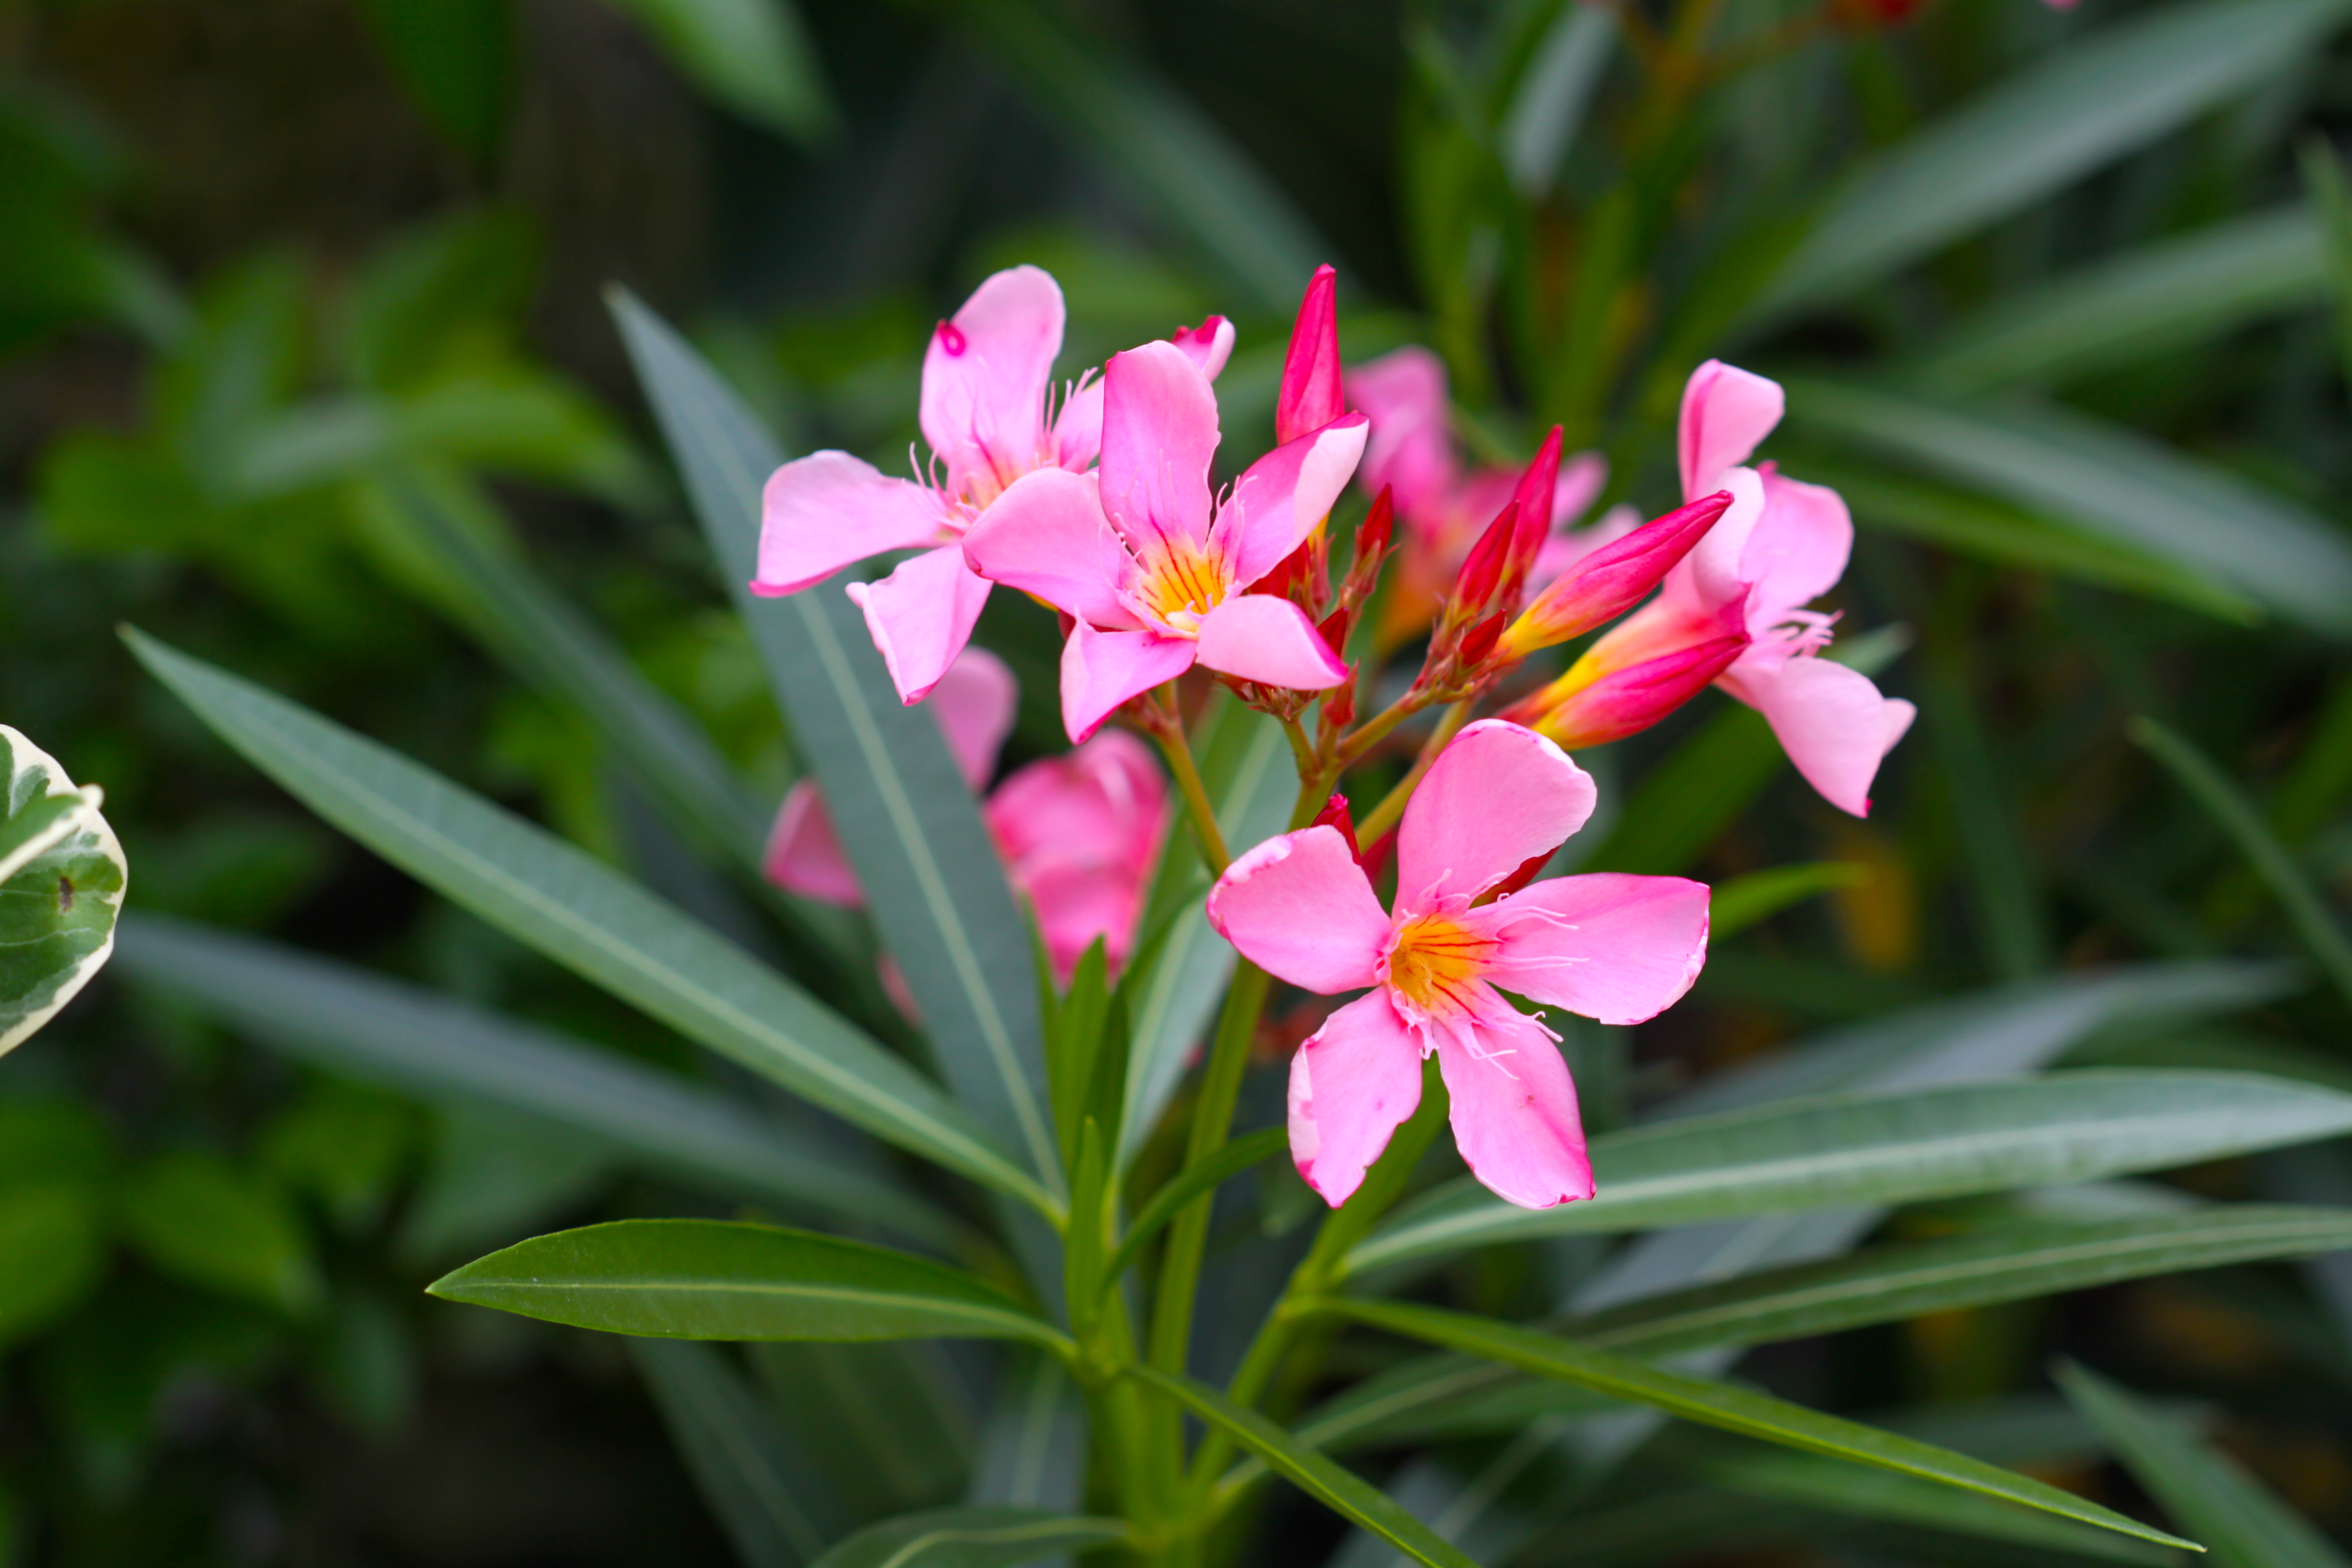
989, 417
1079, 834
1445, 510
1617, 948
1780, 546
1155, 571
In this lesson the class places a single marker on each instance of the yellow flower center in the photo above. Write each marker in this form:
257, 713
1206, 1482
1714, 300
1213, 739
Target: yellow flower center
1181, 585
1433, 961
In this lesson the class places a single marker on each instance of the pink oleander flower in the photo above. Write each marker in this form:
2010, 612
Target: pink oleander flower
1079, 834
1737, 603
1617, 948
1445, 510
990, 417
1154, 570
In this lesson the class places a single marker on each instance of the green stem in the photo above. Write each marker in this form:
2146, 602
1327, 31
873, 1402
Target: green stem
1385, 814
1320, 1271
1169, 731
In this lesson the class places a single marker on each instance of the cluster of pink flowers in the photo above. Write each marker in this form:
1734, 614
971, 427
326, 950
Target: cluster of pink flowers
1097, 499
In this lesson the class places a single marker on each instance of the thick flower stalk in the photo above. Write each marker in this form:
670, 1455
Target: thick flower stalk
1154, 570
1617, 948
1079, 834
1733, 612
990, 418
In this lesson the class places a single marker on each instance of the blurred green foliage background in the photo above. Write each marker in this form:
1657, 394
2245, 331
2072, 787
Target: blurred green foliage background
293, 292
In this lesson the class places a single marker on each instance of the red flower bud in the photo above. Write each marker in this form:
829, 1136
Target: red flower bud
1537, 489
1626, 700
1335, 813
1482, 569
1613, 578
1479, 640
1310, 397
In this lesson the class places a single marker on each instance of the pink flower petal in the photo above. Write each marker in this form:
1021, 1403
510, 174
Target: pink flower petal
802, 854
974, 703
1299, 907
1279, 498
1208, 345
985, 374
1497, 796
921, 616
1618, 948
1798, 550
1581, 479
1831, 720
1102, 669
1514, 1112
1352, 1084
828, 510
1047, 536
1101, 807
1160, 434
1726, 412
1711, 578
1412, 445
1256, 636
1077, 425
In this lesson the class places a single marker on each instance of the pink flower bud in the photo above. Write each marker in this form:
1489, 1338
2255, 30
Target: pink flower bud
1310, 397
1613, 578
1581, 709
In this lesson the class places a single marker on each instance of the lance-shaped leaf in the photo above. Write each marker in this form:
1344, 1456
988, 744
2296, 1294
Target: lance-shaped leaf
1326, 1481
719, 1279
550, 644
1895, 1146
753, 56
776, 1508
972, 1538
1246, 765
2131, 307
902, 811
61, 880
404, 1037
2106, 480
584, 915
1733, 1409
2038, 130
2244, 1523
2006, 1264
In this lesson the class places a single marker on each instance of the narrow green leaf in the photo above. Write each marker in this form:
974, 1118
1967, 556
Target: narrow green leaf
505, 604
1827, 1486
1554, 93
2009, 535
350, 1021
61, 879
1245, 767
717, 1279
584, 915
776, 1511
2106, 480
900, 806
1744, 900
1988, 1034
1885, 1147
1034, 1452
2244, 1524
972, 1538
2323, 176
2212, 790
1891, 1284
753, 56
1323, 1479
2038, 130
1214, 1172
2131, 307
1733, 1409
1173, 157
887, 1419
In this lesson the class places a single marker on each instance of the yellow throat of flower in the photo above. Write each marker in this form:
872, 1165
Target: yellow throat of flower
1433, 961
1181, 584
